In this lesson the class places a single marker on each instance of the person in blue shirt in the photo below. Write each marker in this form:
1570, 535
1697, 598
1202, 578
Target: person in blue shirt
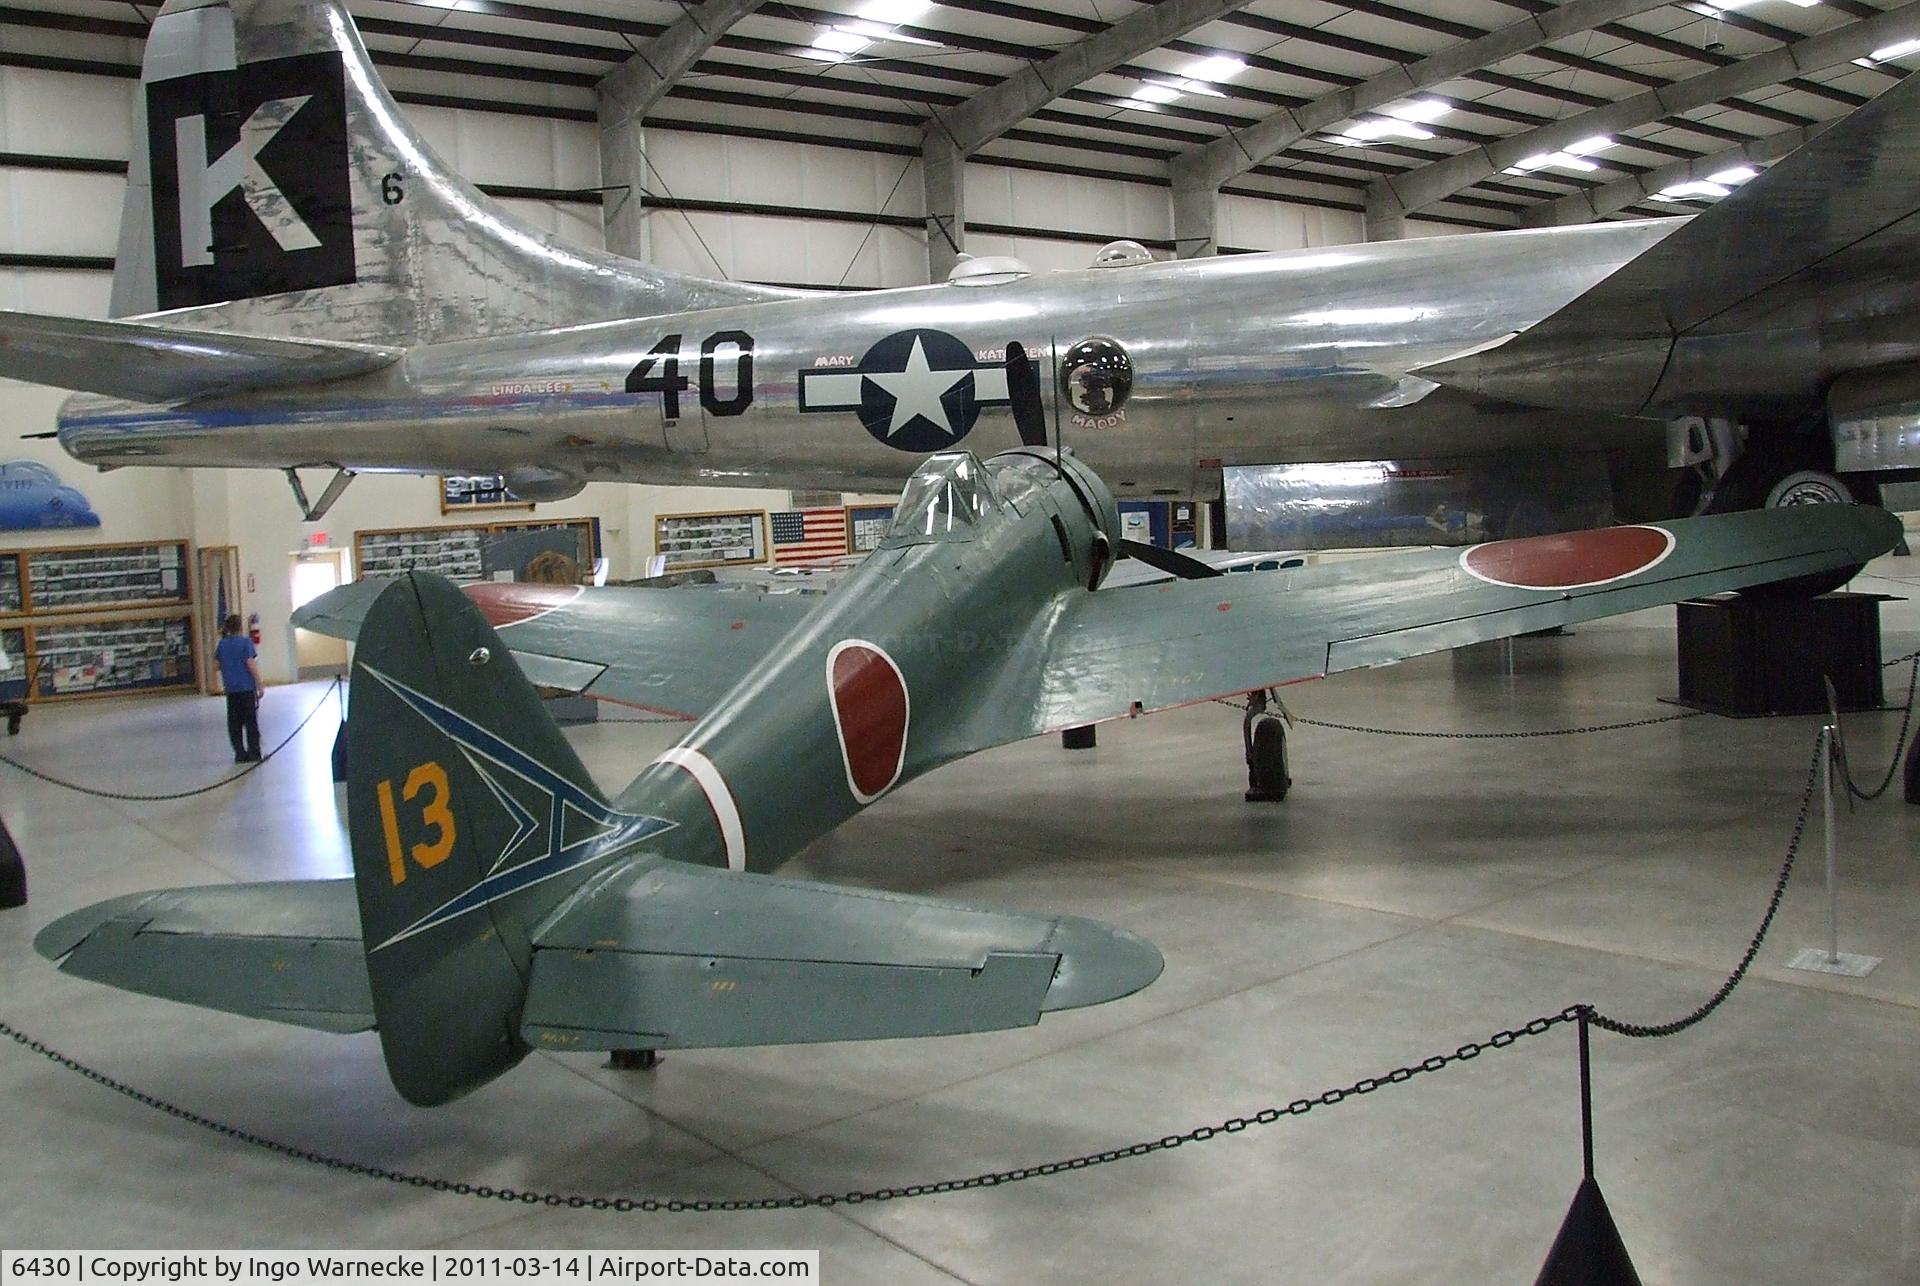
240, 676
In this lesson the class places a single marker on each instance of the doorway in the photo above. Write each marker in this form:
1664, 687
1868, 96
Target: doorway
315, 571
217, 597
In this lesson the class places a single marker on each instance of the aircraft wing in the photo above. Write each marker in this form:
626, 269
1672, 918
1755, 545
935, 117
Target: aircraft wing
286, 951
665, 955
1136, 650
672, 651
152, 362
1822, 246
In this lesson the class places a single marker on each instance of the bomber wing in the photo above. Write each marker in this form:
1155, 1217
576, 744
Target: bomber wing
672, 651
1818, 253
153, 362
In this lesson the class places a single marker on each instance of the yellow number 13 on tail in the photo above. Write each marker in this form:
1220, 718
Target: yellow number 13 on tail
435, 814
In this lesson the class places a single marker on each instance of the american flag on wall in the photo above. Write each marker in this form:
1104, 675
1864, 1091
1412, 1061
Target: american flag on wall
801, 535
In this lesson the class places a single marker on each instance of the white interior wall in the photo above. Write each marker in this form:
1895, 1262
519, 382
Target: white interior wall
49, 212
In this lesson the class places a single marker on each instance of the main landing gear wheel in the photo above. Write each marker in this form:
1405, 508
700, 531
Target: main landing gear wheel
634, 1060
1266, 743
1771, 480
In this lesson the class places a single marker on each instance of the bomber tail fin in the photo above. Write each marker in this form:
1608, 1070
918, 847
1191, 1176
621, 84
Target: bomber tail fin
270, 163
471, 820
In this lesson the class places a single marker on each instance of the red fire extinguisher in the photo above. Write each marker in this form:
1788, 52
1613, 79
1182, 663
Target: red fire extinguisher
253, 627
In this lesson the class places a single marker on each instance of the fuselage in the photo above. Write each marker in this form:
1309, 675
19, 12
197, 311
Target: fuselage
1253, 359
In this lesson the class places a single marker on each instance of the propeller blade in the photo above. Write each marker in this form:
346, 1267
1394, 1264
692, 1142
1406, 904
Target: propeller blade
1023, 395
1169, 561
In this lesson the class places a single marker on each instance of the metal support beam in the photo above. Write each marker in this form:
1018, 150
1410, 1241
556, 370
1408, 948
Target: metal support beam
314, 512
627, 93
943, 173
1196, 220
1597, 203
1419, 188
964, 129
1223, 159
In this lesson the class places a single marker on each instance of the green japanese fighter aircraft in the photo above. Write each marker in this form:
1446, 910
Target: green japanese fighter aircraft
501, 903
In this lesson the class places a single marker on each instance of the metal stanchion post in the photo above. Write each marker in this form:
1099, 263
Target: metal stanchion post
1831, 960
1833, 857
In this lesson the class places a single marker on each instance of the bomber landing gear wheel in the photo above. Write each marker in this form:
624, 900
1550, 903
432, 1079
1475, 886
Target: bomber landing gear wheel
1762, 480
1267, 779
635, 1060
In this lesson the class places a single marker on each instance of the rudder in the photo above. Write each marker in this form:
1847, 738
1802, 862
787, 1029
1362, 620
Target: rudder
463, 840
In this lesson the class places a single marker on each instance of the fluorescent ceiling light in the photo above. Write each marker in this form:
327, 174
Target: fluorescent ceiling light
1888, 53
1154, 92
878, 31
1218, 67
1572, 157
837, 45
1422, 111
1693, 190
893, 12
1406, 120
1734, 177
1372, 130
1714, 8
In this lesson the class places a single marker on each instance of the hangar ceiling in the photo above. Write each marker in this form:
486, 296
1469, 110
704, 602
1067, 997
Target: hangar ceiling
1477, 113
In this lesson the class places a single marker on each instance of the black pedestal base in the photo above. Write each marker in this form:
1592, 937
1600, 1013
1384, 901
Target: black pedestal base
1752, 656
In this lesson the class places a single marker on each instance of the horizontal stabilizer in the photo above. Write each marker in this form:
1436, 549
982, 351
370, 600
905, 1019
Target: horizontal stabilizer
667, 956
285, 951
145, 362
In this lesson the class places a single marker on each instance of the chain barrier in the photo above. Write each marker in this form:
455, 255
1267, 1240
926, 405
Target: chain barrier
656, 1205
1644, 1031
1899, 742
140, 798
1232, 1125
1476, 736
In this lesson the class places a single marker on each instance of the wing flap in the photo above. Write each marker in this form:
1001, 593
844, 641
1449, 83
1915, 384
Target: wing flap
150, 362
676, 956
286, 951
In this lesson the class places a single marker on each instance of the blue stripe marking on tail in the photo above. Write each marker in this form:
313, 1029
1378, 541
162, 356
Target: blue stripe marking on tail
617, 831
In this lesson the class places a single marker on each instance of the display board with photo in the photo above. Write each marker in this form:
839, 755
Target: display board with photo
87, 578
867, 526
99, 657
12, 597
710, 539
13, 665
559, 552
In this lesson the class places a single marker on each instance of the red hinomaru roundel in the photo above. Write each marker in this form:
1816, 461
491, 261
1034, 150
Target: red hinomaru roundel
1576, 560
506, 603
870, 712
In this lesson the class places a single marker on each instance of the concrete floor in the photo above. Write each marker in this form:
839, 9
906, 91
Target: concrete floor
1410, 895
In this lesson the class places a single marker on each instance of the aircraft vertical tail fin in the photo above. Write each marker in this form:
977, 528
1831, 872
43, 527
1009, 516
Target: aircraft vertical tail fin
273, 176
471, 820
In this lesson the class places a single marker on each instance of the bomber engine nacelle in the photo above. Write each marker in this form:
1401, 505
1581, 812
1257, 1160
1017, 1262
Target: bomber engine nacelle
539, 484
1875, 419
